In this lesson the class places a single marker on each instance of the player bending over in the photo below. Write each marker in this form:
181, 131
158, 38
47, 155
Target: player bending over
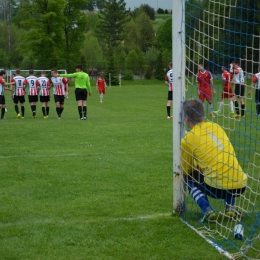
209, 163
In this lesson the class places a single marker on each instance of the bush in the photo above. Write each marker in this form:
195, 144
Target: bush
128, 75
148, 73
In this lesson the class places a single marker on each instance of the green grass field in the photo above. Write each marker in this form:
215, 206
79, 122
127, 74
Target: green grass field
95, 189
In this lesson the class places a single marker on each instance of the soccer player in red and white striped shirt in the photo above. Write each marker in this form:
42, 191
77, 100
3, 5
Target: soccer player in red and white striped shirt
227, 91
60, 90
2, 89
44, 91
18, 92
169, 83
239, 80
32, 83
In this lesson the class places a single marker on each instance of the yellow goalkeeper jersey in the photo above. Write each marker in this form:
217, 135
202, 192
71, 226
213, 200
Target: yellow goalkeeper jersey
208, 147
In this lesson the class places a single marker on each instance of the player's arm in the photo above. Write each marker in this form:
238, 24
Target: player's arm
88, 86
198, 85
166, 81
186, 157
212, 86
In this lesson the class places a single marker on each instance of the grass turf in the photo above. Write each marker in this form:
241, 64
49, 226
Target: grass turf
95, 189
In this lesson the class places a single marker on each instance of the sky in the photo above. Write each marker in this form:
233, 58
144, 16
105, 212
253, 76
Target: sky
164, 4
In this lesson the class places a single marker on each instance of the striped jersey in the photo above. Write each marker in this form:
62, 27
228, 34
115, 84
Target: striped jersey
19, 83
239, 76
32, 83
2, 86
59, 85
256, 79
169, 78
208, 147
44, 84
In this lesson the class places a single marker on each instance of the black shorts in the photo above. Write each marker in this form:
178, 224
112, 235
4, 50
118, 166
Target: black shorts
20, 99
32, 98
44, 99
59, 99
2, 100
81, 94
197, 178
169, 95
239, 90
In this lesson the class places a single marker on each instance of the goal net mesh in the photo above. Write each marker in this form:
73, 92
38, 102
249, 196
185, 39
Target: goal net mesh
216, 33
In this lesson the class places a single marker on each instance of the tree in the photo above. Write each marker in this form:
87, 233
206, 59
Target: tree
151, 57
148, 10
160, 11
140, 33
92, 51
74, 23
164, 35
159, 72
113, 17
110, 74
53, 31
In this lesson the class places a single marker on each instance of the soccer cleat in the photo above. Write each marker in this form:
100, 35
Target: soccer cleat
18, 116
81, 118
59, 117
232, 212
232, 112
212, 114
243, 116
217, 112
5, 110
209, 215
22, 117
45, 117
235, 116
101, 101
168, 117
85, 118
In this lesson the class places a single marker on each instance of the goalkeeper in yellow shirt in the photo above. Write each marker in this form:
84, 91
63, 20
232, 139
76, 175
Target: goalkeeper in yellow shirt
209, 163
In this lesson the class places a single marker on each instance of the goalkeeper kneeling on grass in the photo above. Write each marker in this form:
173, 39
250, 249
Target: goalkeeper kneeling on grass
209, 163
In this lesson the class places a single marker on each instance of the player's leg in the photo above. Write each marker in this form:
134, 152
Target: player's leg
195, 186
57, 104
257, 101
208, 96
22, 100
169, 103
242, 101
84, 103
2, 106
16, 108
237, 95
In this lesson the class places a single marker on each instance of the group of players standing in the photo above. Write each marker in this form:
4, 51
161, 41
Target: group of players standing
36, 87
40, 86
204, 81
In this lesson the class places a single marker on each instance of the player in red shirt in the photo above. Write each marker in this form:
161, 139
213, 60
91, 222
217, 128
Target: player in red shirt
101, 86
227, 91
205, 84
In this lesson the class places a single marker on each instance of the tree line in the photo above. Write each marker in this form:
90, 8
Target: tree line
101, 34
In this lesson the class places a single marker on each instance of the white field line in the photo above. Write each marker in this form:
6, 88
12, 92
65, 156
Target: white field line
101, 219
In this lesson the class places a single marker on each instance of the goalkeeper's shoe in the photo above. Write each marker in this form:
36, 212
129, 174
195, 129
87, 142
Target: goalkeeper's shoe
209, 215
232, 212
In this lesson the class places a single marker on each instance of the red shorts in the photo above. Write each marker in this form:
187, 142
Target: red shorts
227, 92
205, 94
102, 90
